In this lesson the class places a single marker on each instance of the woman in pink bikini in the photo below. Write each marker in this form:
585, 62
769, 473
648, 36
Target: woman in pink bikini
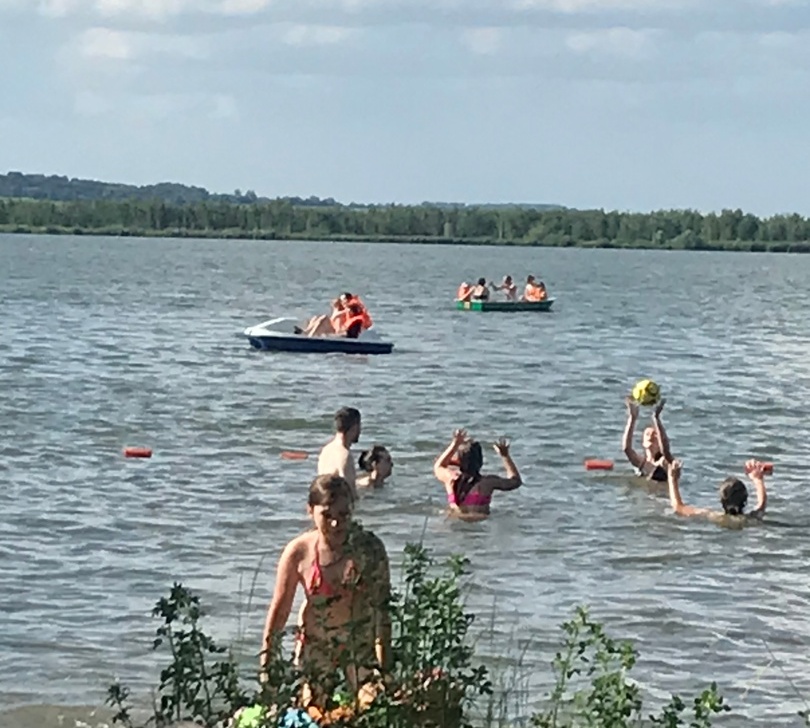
458, 468
343, 625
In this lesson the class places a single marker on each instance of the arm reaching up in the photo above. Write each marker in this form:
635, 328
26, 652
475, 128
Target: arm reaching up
627, 438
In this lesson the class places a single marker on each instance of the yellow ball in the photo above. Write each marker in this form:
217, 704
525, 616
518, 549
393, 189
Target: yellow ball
646, 392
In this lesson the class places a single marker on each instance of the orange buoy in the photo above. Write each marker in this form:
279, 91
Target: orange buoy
137, 452
294, 455
594, 464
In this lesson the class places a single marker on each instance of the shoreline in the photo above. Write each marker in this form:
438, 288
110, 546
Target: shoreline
741, 246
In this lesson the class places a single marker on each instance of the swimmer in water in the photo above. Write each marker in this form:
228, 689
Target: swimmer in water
377, 464
335, 457
733, 496
657, 456
469, 492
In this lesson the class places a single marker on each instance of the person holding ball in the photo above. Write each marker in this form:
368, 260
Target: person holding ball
654, 463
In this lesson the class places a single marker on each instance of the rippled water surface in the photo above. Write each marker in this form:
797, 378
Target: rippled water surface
114, 342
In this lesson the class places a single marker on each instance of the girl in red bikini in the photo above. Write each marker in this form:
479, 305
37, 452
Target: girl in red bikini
458, 468
343, 625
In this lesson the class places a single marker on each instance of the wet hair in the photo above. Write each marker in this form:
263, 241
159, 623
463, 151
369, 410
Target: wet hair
470, 461
733, 496
482, 281
529, 279
508, 279
346, 418
369, 458
326, 489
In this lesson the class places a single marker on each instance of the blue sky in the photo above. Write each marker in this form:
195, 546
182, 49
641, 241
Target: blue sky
621, 104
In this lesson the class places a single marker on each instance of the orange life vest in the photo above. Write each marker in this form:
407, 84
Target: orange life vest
360, 314
534, 293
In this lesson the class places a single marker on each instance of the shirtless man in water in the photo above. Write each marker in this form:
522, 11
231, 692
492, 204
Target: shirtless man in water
336, 456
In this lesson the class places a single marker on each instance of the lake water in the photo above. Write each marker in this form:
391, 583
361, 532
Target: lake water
114, 342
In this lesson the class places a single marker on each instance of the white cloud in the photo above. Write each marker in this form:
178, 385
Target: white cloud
483, 41
612, 41
123, 45
242, 7
159, 10
105, 43
57, 8
316, 35
578, 6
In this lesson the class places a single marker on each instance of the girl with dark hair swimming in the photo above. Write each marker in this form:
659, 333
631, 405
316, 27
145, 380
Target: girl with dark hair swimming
469, 492
377, 464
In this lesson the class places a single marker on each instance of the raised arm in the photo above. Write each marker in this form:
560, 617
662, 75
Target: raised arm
756, 472
512, 479
660, 432
281, 605
675, 500
441, 467
627, 438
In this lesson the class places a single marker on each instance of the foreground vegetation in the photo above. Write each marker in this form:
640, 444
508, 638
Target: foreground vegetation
436, 679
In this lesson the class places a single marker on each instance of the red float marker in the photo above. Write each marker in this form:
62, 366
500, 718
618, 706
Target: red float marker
594, 464
294, 455
137, 452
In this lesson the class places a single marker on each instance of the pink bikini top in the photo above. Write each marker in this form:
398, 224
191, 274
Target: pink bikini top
317, 585
472, 499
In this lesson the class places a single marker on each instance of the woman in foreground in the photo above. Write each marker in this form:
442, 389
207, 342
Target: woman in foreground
344, 630
458, 468
733, 497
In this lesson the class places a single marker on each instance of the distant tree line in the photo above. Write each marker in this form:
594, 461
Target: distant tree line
286, 219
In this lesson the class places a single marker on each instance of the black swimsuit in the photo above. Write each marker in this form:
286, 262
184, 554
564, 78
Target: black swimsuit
659, 475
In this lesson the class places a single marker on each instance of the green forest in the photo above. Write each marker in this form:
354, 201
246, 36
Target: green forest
314, 219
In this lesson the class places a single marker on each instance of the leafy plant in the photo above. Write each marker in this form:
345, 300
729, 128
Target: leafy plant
433, 681
592, 687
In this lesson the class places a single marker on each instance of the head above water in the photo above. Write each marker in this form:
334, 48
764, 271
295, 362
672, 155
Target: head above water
530, 279
347, 423
470, 457
733, 496
482, 281
649, 440
507, 280
377, 460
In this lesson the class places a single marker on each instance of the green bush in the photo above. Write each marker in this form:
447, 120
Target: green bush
435, 680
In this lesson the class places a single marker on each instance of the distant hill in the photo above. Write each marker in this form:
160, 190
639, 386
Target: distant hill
65, 189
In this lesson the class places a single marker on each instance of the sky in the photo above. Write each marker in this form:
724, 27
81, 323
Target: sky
615, 104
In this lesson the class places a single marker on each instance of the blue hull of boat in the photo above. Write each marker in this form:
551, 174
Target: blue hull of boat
318, 345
